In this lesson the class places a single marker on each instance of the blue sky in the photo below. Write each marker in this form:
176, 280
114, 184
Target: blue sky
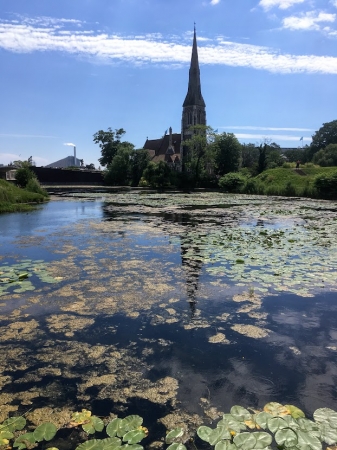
70, 68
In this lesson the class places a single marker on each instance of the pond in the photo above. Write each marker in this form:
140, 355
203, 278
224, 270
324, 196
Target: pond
171, 306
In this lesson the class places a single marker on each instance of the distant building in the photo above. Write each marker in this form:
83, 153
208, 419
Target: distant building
169, 148
69, 161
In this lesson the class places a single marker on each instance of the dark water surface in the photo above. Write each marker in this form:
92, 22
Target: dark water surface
150, 313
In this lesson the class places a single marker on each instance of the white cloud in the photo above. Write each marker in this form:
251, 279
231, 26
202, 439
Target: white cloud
70, 144
334, 3
311, 20
274, 137
215, 2
6, 158
249, 127
281, 4
27, 136
154, 49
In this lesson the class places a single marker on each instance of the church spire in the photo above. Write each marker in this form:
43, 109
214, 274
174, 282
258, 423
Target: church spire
194, 96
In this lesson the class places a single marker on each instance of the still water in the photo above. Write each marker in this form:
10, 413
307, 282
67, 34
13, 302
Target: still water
174, 307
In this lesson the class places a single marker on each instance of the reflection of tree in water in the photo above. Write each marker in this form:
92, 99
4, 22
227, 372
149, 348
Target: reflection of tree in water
191, 258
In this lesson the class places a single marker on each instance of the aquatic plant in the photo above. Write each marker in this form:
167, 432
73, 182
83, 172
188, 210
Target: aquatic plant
17, 275
281, 426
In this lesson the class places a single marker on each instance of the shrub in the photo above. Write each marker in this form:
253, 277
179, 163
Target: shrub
33, 185
326, 185
22, 176
232, 182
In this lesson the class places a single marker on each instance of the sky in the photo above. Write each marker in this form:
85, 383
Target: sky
71, 68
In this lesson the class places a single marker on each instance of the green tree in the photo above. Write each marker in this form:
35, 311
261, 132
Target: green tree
139, 159
109, 142
326, 185
199, 153
250, 157
227, 153
118, 169
232, 182
23, 174
274, 158
90, 166
326, 135
294, 155
157, 174
262, 163
327, 156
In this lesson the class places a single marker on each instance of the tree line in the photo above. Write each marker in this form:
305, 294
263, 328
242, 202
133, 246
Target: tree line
208, 158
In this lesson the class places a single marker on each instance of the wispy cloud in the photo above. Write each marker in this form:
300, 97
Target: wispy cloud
274, 137
155, 49
249, 127
215, 2
27, 136
334, 3
70, 144
310, 20
281, 4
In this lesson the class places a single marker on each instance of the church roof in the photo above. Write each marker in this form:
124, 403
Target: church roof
160, 146
194, 96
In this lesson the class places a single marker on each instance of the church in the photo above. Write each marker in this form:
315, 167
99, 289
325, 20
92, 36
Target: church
170, 147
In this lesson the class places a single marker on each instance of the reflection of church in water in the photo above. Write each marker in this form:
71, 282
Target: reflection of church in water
170, 147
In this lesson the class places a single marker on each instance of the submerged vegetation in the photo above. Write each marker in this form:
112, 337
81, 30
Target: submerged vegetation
277, 426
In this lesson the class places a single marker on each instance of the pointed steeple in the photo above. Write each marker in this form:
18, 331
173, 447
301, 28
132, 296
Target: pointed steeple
194, 96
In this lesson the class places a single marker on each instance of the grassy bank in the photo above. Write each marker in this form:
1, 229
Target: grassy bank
14, 199
288, 181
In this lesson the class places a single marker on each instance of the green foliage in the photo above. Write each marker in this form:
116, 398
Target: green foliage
138, 163
127, 167
45, 431
173, 434
12, 198
23, 176
285, 425
110, 142
227, 153
250, 157
33, 185
326, 157
118, 169
232, 182
157, 174
326, 135
326, 185
199, 153
17, 276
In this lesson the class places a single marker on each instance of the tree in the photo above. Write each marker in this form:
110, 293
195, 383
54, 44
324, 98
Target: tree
227, 153
326, 185
262, 163
118, 169
232, 182
109, 142
327, 156
326, 135
157, 174
90, 166
250, 156
139, 159
23, 175
199, 152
